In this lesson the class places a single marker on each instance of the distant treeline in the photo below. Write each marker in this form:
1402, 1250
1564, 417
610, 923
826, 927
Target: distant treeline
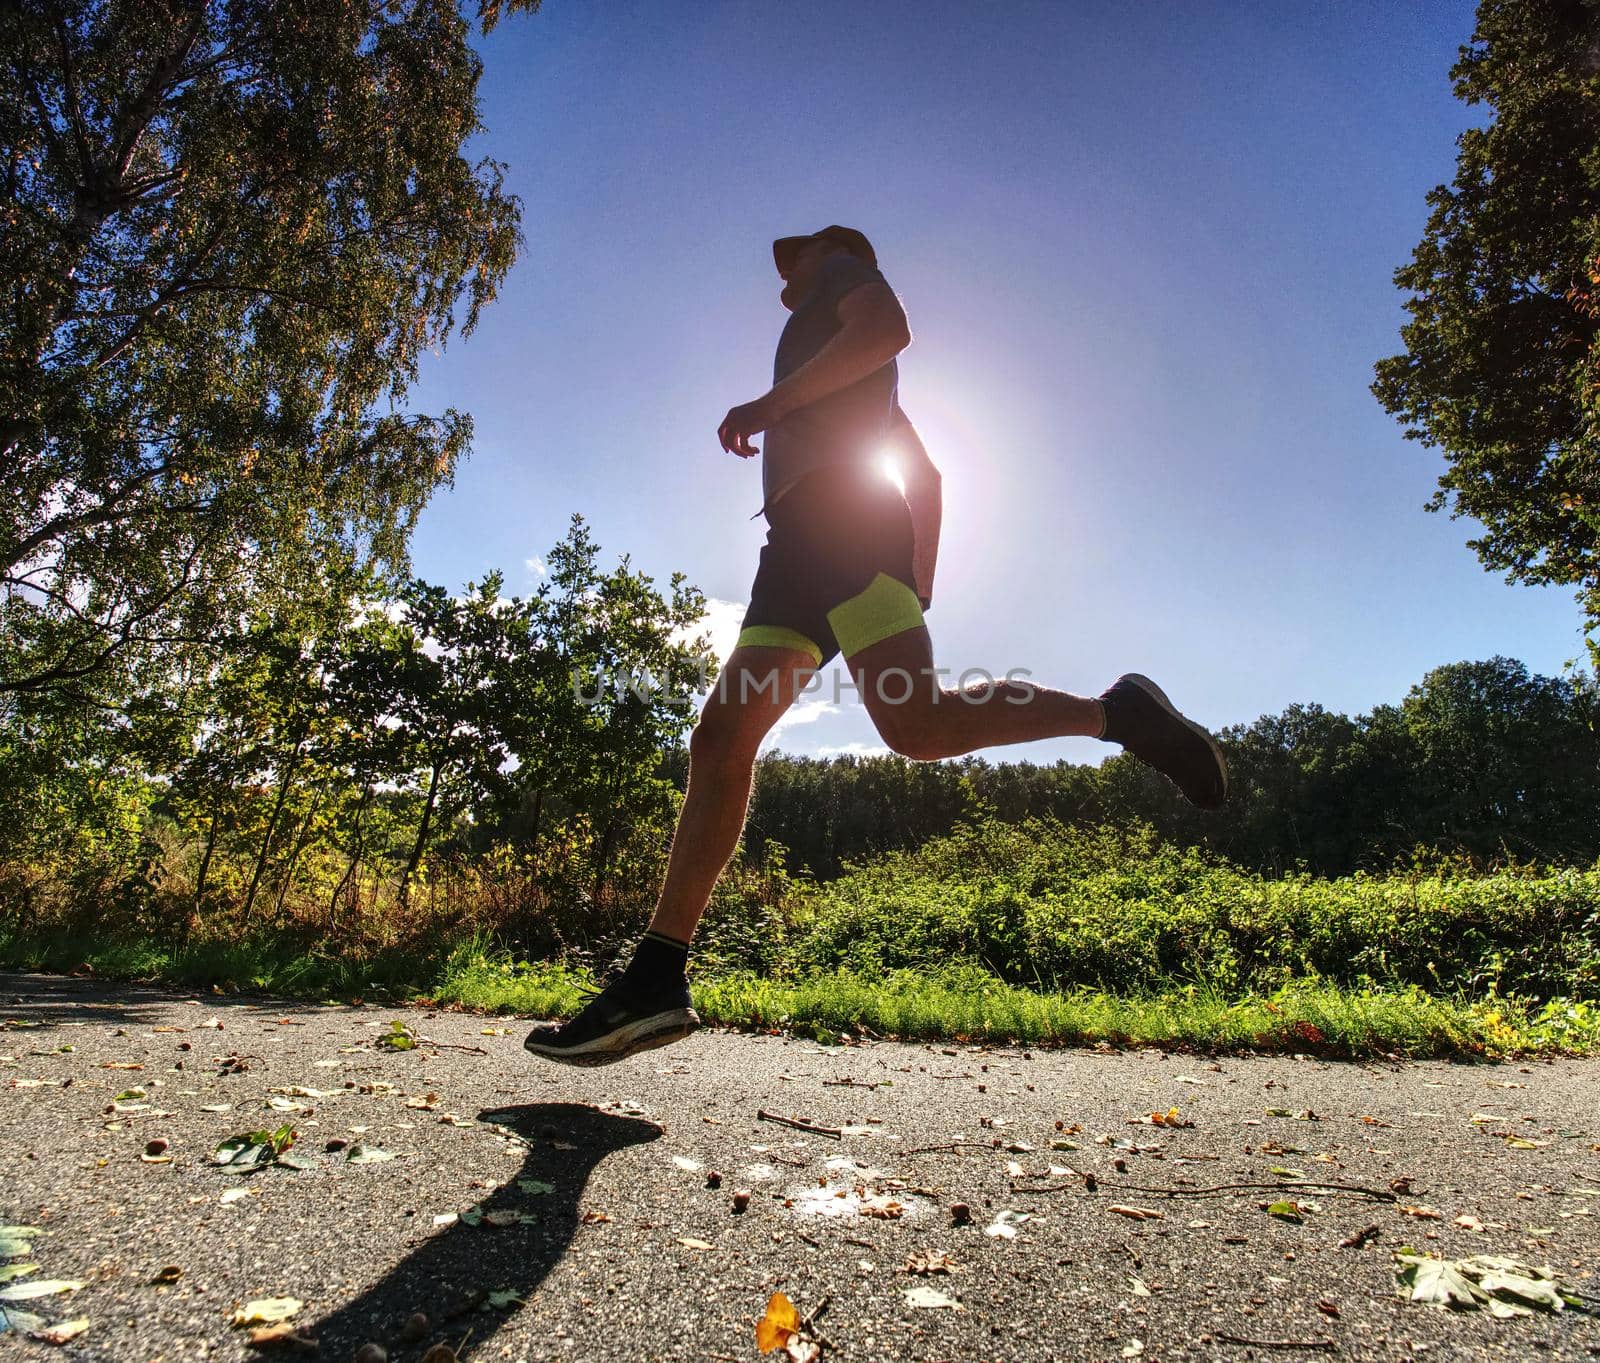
1481, 759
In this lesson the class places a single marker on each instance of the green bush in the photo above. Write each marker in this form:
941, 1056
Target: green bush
1042, 904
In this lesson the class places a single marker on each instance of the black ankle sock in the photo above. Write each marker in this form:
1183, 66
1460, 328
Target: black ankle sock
658, 960
1113, 732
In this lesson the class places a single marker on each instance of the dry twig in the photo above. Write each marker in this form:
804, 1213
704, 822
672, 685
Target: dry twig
800, 1124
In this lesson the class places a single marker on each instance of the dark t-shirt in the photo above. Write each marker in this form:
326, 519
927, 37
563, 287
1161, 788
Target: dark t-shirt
847, 426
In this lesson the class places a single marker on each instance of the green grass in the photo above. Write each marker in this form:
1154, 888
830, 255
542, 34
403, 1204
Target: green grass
1034, 933
962, 1004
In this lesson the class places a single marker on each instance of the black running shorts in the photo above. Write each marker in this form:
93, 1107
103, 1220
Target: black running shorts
836, 571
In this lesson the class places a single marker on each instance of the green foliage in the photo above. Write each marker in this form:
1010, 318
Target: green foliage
1502, 362
1054, 908
342, 774
231, 232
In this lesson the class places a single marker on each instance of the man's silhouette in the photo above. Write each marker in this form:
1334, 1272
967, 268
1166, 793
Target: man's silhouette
847, 568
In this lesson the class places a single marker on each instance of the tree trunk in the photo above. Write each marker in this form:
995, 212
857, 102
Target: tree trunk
205, 860
355, 855
423, 829
294, 856
284, 786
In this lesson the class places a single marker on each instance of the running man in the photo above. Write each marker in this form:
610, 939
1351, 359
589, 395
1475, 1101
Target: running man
847, 568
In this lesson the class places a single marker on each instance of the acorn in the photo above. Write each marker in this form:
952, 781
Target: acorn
158, 1146
440, 1353
372, 1353
961, 1214
713, 1179
741, 1200
415, 1330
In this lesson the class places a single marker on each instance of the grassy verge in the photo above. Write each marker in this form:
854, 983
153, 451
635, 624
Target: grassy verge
1306, 1016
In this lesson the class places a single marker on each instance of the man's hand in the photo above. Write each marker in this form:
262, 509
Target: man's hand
744, 421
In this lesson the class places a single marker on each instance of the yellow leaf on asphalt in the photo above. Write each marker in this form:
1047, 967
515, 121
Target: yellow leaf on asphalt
780, 1322
1136, 1213
690, 1242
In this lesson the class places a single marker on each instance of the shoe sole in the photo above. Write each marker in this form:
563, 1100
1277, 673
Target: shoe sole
1160, 697
660, 1029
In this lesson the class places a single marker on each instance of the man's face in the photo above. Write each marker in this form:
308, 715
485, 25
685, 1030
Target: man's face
802, 272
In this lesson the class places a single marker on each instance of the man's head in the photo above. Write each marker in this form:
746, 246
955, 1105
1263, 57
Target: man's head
798, 258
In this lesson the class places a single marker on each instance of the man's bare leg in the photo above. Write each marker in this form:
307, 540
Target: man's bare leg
922, 719
648, 1005
750, 696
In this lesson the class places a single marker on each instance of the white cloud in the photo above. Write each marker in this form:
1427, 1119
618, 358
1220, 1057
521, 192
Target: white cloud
804, 712
853, 750
721, 621
536, 566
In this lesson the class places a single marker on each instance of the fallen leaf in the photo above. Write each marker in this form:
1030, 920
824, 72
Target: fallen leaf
927, 1261
1138, 1286
367, 1154
690, 1242
691, 1166
1421, 1213
504, 1297
281, 1335
1004, 1226
780, 1322
1136, 1213
1507, 1287
931, 1299
535, 1187
1468, 1222
1286, 1211
267, 1311
62, 1331
1170, 1117
45, 1287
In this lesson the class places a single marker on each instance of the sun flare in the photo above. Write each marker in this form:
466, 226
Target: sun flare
891, 470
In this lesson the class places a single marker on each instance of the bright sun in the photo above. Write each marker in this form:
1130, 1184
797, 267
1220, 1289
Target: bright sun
891, 471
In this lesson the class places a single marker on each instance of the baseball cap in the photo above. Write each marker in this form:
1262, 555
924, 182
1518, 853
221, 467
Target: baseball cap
784, 248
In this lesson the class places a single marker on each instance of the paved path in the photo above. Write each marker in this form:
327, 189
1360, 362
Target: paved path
614, 1246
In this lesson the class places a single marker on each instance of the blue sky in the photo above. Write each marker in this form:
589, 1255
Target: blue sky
1146, 252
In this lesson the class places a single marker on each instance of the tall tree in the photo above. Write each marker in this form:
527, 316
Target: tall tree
230, 229
1502, 362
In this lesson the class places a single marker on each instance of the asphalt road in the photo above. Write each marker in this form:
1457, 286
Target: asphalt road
610, 1244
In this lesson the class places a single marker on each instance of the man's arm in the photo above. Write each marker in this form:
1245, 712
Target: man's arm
924, 496
872, 331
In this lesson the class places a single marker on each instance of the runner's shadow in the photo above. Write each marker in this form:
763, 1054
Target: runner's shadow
455, 1271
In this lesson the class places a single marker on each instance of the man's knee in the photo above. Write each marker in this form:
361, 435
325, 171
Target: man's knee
909, 731
725, 732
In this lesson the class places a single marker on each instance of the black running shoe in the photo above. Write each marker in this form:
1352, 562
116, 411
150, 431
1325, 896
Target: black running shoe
1141, 718
621, 1020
